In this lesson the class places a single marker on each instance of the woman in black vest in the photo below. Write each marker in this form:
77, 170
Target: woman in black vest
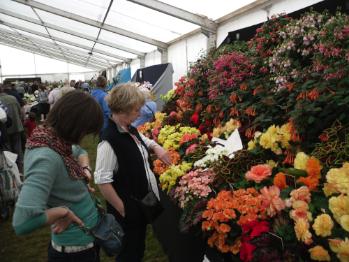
123, 172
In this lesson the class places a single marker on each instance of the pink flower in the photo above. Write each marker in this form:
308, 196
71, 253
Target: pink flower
258, 173
271, 200
301, 193
191, 149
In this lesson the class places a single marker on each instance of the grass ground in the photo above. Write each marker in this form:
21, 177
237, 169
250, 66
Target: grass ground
33, 247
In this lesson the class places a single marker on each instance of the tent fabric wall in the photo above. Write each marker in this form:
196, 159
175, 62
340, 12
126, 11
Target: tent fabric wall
153, 58
182, 53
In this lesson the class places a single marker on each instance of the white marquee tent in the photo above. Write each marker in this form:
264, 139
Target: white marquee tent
82, 37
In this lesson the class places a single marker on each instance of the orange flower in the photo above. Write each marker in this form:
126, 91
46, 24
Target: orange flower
302, 95
258, 173
280, 180
249, 133
289, 86
234, 98
224, 228
289, 158
187, 137
250, 111
310, 182
234, 112
313, 94
243, 86
313, 167
160, 167
257, 90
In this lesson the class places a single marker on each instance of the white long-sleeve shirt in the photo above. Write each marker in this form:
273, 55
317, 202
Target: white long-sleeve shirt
107, 163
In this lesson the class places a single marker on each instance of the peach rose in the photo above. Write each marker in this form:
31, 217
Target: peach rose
258, 173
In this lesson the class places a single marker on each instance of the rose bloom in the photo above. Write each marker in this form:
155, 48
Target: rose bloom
323, 225
318, 253
258, 173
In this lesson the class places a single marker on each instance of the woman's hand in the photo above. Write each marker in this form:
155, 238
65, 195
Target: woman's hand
162, 154
88, 173
63, 223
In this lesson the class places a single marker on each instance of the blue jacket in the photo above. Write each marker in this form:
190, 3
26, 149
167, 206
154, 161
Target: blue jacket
146, 114
100, 95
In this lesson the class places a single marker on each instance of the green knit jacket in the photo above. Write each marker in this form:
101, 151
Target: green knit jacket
46, 185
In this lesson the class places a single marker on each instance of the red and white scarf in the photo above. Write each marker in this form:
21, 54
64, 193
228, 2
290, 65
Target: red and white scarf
45, 137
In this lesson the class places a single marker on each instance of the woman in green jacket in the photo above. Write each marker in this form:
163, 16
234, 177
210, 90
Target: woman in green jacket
54, 191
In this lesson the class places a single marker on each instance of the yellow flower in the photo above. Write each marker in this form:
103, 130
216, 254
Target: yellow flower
323, 225
339, 178
216, 132
300, 162
339, 206
251, 145
318, 253
329, 189
344, 221
303, 234
341, 248
285, 135
271, 163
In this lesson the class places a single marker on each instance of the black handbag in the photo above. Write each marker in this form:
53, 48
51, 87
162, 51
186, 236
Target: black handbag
151, 207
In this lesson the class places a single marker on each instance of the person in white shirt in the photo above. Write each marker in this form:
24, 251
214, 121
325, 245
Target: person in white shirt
54, 95
123, 172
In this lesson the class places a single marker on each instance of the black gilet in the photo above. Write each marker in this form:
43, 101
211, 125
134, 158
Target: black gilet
130, 180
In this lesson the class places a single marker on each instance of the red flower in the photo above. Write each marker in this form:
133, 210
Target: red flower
246, 251
255, 228
323, 137
195, 118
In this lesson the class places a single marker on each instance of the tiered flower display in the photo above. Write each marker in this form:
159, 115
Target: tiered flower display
285, 195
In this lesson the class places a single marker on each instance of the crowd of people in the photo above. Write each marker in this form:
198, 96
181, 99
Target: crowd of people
57, 172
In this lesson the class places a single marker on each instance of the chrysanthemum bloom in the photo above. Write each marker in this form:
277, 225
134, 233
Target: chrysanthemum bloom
323, 225
318, 253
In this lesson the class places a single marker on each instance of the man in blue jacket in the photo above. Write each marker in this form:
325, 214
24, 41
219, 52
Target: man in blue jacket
99, 94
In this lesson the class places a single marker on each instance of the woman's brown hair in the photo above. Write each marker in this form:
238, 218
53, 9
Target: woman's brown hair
75, 115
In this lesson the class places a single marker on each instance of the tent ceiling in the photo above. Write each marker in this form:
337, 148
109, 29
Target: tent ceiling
101, 33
